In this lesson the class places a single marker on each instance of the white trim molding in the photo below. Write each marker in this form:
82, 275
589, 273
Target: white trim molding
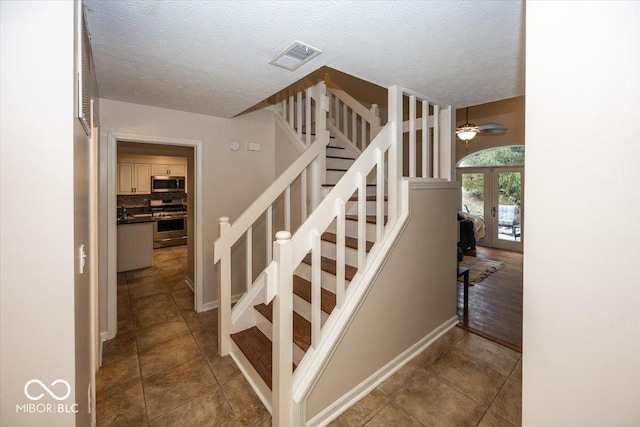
112, 162
361, 390
211, 305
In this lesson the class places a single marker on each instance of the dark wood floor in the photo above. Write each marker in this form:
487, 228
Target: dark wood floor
495, 304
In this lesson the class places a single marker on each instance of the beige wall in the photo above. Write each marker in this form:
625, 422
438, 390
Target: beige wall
509, 112
43, 336
230, 181
581, 295
404, 304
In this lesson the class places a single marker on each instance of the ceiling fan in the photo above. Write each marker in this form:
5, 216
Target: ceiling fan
468, 131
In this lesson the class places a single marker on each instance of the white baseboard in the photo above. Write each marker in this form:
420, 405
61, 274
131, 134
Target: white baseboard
214, 304
104, 336
190, 283
361, 390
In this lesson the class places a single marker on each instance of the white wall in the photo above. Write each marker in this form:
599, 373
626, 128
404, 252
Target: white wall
581, 285
37, 176
231, 180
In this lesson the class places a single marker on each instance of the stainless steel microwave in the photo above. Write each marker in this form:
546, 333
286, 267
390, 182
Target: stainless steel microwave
167, 184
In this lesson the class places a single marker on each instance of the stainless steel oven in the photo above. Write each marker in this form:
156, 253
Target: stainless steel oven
170, 231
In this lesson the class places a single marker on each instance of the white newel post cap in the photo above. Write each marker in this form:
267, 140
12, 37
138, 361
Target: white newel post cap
283, 236
224, 220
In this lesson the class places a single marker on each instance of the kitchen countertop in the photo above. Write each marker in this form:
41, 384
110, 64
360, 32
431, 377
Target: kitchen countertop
134, 219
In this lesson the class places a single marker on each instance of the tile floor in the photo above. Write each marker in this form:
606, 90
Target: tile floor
163, 369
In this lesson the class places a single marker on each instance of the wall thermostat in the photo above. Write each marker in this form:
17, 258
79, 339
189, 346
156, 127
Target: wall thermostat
234, 145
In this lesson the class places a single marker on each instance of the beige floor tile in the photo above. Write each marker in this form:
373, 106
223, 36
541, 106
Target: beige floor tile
501, 359
168, 264
225, 369
472, 378
391, 415
163, 356
123, 405
145, 289
161, 333
160, 255
152, 302
212, 409
176, 386
177, 282
246, 405
517, 372
123, 343
440, 347
508, 404
265, 422
207, 340
492, 420
399, 379
116, 370
184, 298
141, 273
148, 318
360, 413
434, 403
125, 325
204, 320
124, 310
122, 278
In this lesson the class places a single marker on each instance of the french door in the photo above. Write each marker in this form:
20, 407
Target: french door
495, 195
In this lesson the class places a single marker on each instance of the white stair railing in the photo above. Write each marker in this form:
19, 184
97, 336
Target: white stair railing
349, 119
384, 154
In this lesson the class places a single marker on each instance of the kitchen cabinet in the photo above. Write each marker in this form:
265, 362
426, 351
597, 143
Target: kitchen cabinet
134, 178
170, 170
135, 246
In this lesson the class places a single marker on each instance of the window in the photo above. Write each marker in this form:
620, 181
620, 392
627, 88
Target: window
512, 155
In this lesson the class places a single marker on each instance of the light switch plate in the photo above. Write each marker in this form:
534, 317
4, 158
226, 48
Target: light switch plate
254, 146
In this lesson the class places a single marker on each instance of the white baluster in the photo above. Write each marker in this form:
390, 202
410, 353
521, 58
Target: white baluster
436, 141
362, 220
379, 195
363, 134
307, 114
412, 136
425, 138
354, 128
224, 294
269, 228
336, 109
291, 111
283, 331
316, 285
299, 115
303, 195
345, 119
395, 151
249, 244
340, 252
287, 209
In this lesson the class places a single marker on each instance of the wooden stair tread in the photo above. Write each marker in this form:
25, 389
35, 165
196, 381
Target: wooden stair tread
371, 219
258, 350
302, 288
335, 146
301, 326
369, 198
333, 185
340, 157
349, 242
329, 265
337, 169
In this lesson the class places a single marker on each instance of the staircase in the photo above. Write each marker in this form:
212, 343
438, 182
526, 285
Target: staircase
286, 324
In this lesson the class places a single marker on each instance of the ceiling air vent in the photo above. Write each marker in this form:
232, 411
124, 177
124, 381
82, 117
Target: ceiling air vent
295, 55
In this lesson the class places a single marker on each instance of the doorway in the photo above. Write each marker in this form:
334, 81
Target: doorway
494, 194
195, 219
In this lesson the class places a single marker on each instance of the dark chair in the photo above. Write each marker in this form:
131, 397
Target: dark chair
467, 237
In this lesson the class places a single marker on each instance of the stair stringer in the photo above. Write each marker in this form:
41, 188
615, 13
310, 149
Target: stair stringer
313, 366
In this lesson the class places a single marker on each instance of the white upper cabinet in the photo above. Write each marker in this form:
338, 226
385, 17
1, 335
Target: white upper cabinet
171, 170
134, 178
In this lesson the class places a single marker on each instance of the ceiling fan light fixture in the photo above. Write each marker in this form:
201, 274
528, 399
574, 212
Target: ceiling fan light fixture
467, 132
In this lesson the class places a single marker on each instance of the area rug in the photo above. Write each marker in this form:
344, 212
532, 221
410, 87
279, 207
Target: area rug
479, 268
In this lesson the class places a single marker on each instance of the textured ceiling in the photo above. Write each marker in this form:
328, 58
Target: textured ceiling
211, 57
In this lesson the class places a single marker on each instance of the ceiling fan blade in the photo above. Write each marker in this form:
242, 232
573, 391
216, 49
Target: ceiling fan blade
497, 131
490, 126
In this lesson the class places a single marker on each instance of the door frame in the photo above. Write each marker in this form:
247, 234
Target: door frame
491, 197
112, 243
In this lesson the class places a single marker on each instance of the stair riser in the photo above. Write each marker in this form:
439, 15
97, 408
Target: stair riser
333, 163
336, 151
267, 329
351, 230
329, 251
303, 308
371, 190
352, 208
328, 280
334, 176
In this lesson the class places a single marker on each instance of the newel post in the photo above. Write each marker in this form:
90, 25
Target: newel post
224, 294
283, 331
318, 166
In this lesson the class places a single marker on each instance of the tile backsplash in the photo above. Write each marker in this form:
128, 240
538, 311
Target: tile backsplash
140, 200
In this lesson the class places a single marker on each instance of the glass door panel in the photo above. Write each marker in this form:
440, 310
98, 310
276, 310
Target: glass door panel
507, 208
473, 193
